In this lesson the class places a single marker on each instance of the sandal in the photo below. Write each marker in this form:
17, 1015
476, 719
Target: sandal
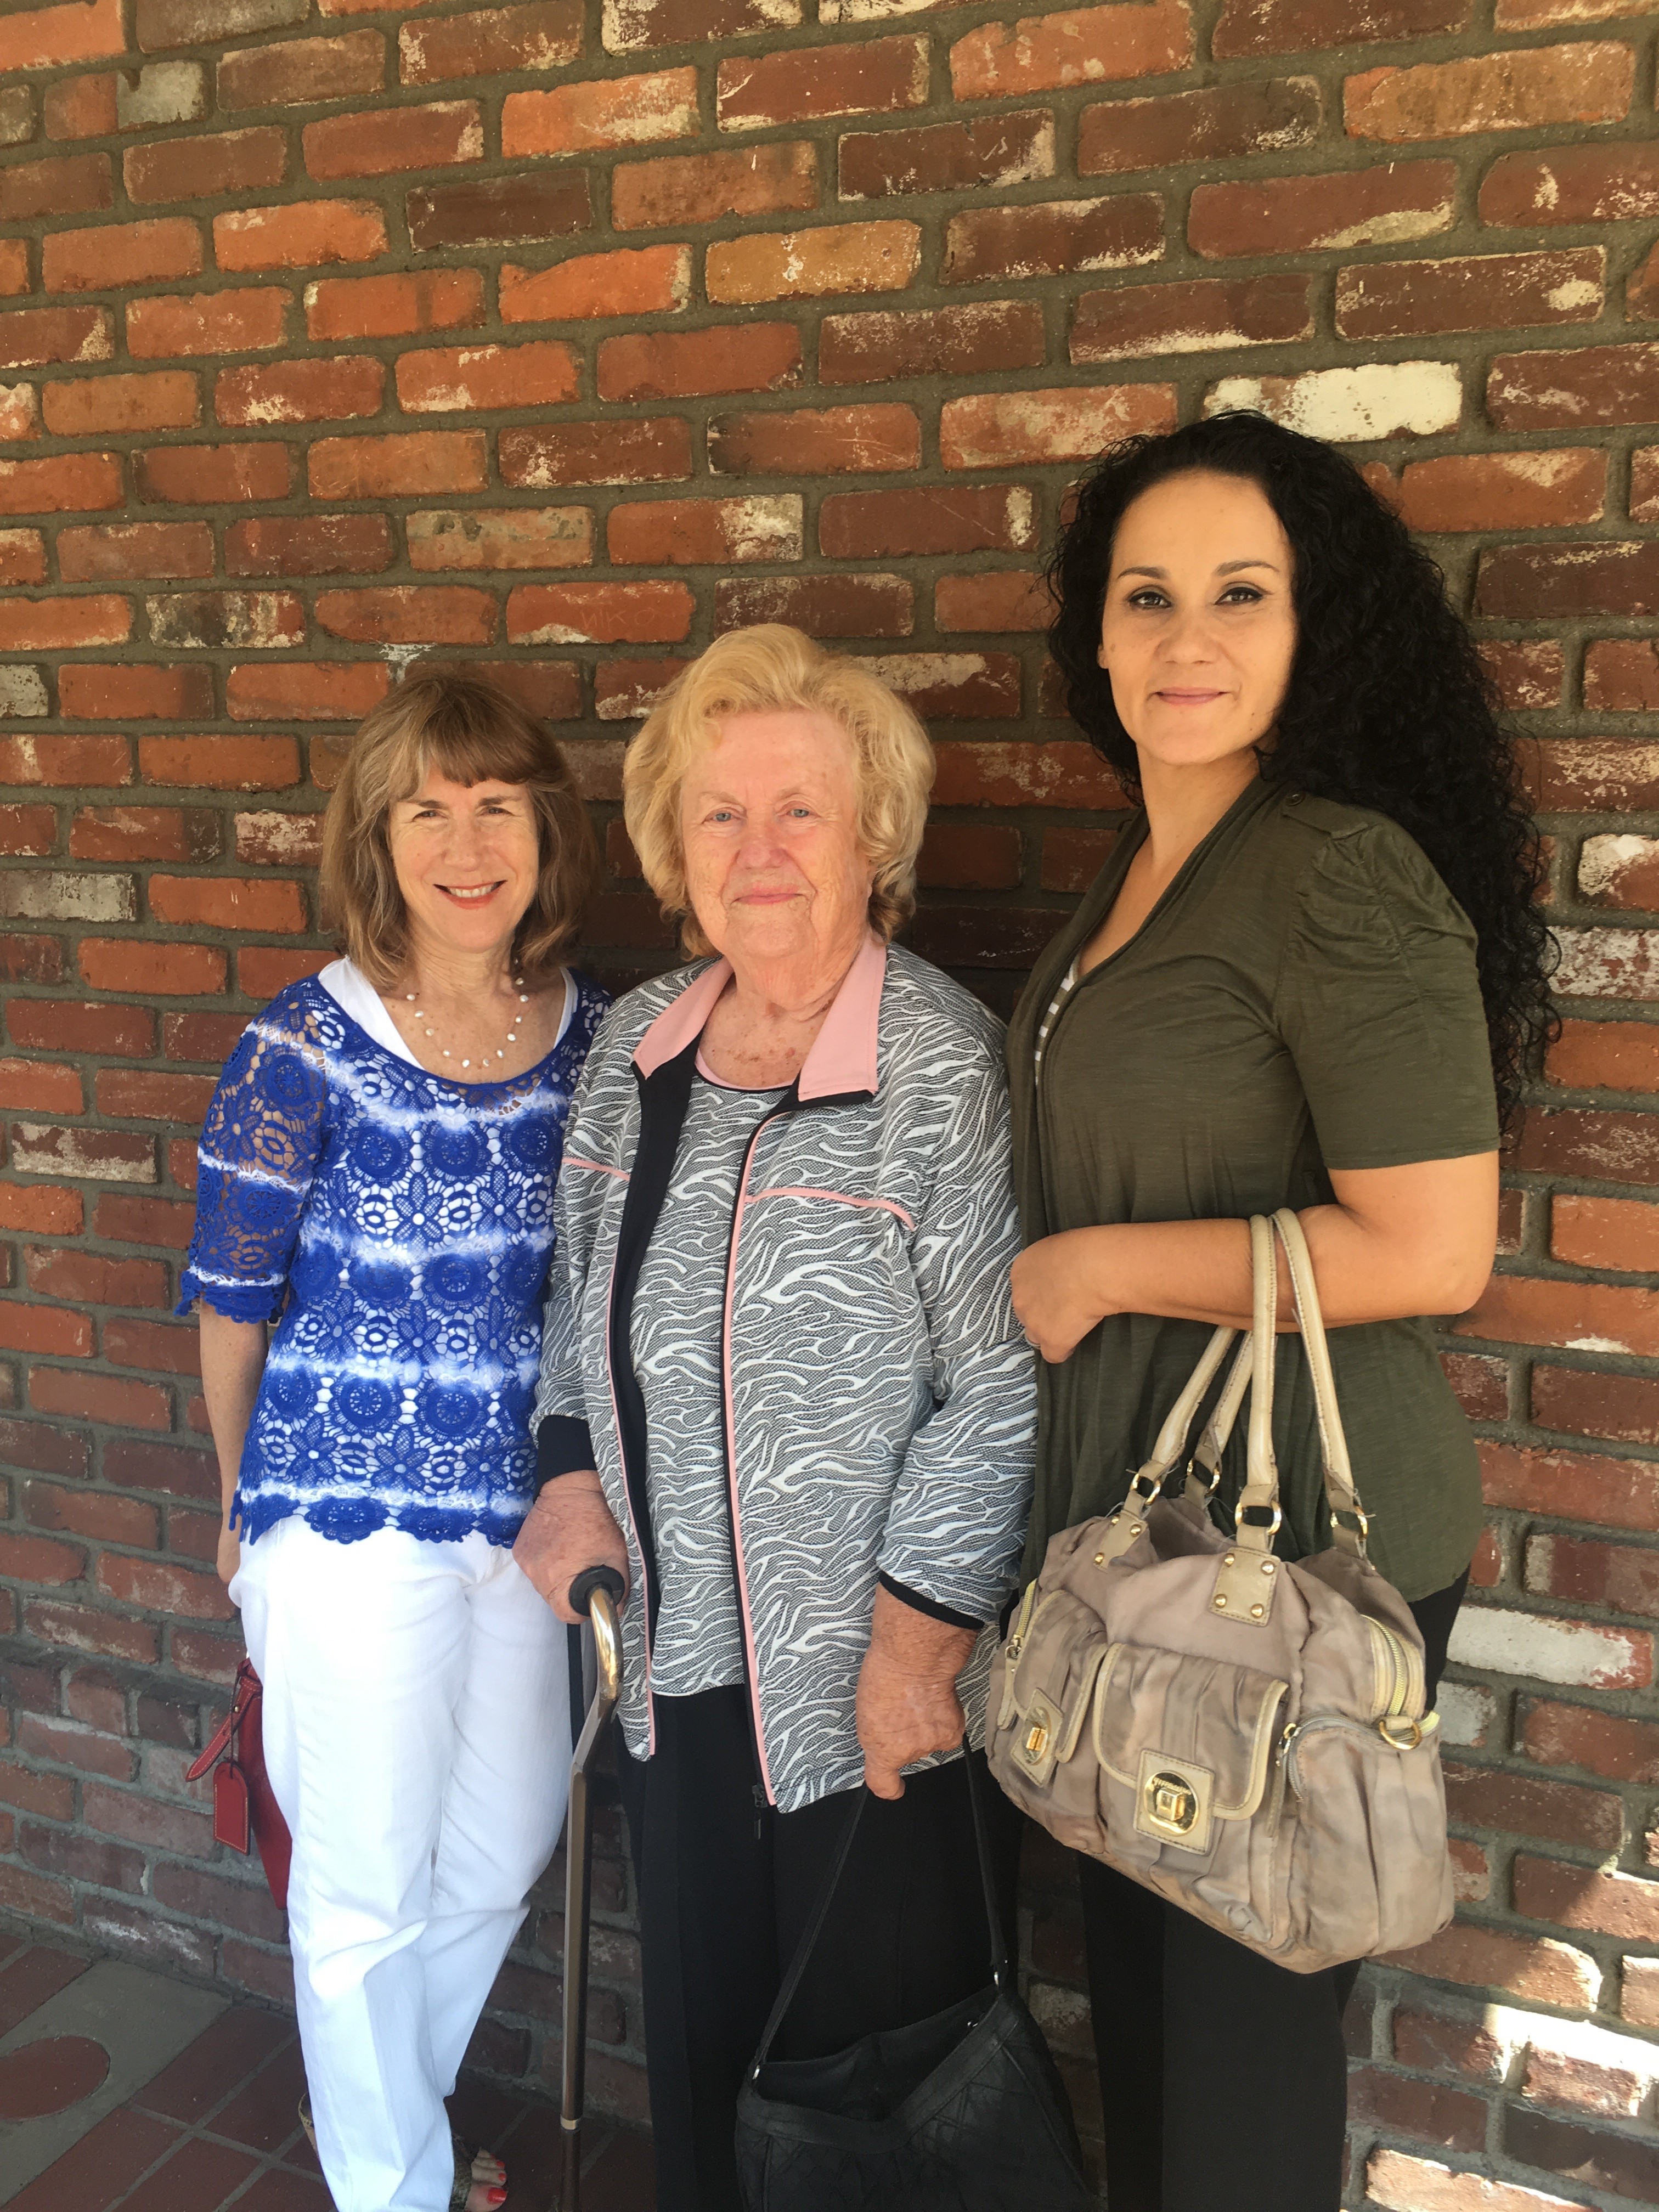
467, 2177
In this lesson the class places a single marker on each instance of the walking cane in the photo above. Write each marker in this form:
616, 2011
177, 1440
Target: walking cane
596, 1592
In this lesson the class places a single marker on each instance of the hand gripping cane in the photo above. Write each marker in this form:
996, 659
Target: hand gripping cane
597, 1591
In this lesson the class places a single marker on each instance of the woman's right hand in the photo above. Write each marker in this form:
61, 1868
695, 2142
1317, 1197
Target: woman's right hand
569, 1527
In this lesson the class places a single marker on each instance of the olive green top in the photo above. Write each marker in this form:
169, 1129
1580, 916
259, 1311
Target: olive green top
1303, 998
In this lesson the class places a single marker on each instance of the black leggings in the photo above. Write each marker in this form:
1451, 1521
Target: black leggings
1224, 2078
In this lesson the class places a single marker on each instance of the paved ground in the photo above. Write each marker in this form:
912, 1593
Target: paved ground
119, 2087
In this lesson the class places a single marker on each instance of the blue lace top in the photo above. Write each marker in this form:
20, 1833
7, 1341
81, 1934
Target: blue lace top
397, 1227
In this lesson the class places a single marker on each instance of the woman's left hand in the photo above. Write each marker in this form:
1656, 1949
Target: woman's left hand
1055, 1284
907, 1706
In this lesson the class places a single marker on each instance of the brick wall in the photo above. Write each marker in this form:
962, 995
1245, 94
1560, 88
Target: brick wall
565, 335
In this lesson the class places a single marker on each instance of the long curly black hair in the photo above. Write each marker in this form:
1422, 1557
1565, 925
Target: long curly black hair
1388, 705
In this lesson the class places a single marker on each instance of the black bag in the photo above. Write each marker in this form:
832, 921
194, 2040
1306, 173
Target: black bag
962, 2112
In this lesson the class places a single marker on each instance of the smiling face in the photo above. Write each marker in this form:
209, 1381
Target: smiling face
1198, 631
768, 816
466, 858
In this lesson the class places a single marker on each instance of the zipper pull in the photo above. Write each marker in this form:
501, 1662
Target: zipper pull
760, 1806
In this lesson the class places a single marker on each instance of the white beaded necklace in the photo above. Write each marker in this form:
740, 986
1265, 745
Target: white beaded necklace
431, 1034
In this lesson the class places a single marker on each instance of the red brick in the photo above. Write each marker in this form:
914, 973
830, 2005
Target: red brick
1516, 1310
1526, 1967
1607, 1903
121, 254
937, 157
1428, 2111
409, 614
1207, 315
43, 1209
22, 557
384, 141
1060, 773
1623, 1406
133, 1220
107, 1155
215, 764
72, 483
70, 184
210, 903
1642, 292
1529, 673
1277, 27
688, 188
40, 1898
80, 107
86, 407
51, 1796
1081, 45
640, 450
677, 365
212, 476
53, 625
477, 539
1618, 1233
1599, 182
1608, 1744
301, 72
37, 336
1615, 1576
28, 830
639, 281
263, 971
632, 24
316, 390
92, 1279
623, 689
305, 691
101, 693
992, 517
163, 1347
996, 430
1533, 582
139, 1820
247, 321
71, 1746
1590, 774
1503, 491
170, 970
307, 235
229, 163
810, 441
176, 1470
498, 211
72, 1026
987, 336
1525, 89
1046, 238
395, 306
37, 38
1493, 291
1221, 123
64, 760
618, 111
40, 1086
260, 620
603, 614
881, 76
48, 1329
1295, 214
543, 34
46, 1445
307, 545
1507, 1804
806, 264
836, 605
474, 378
271, 841
1569, 1485
1621, 675
83, 1397
970, 857
20, 414
407, 464
1611, 385
710, 530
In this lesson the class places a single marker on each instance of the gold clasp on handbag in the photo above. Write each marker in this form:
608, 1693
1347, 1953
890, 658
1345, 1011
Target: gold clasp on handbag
1037, 1740
1173, 1801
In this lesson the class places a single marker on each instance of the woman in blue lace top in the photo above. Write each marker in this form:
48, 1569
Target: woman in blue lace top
377, 1172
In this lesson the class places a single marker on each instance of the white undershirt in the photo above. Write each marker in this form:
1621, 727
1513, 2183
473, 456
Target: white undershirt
353, 994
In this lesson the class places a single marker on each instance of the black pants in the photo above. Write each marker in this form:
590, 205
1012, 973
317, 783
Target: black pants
726, 1887
1224, 2077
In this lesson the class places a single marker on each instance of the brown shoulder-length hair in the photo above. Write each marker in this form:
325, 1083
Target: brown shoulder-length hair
472, 732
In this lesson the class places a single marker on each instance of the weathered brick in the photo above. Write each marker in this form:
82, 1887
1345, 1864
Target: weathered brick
836, 605
159, 95
119, 254
205, 168
1614, 1576
314, 391
996, 430
245, 321
73, 31
1202, 315
1081, 45
633, 450
301, 72
1046, 237
133, 833
1609, 385
1606, 577
971, 340
1380, 205
1621, 675
1624, 1408
22, 557
618, 111
385, 142
409, 462
651, 280
307, 545
1408, 398
1278, 27
1493, 291
1597, 182
941, 157
500, 538
1520, 90
814, 442
55, 625
307, 235
470, 377
409, 614
807, 264
688, 188
880, 77
65, 761
682, 364
394, 306
498, 211
674, 533
992, 517
260, 621
98, 406
1619, 871
598, 614
305, 691
630, 25
268, 840
543, 34
193, 23
1221, 123
1503, 491
69, 184
35, 336
113, 693
211, 476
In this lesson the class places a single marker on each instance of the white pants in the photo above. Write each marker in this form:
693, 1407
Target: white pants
417, 1736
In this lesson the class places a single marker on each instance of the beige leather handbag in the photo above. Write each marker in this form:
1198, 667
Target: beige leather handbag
1243, 1734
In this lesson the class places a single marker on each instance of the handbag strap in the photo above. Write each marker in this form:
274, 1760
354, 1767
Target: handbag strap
1218, 1429
1150, 1475
1349, 1525
223, 1737
814, 1928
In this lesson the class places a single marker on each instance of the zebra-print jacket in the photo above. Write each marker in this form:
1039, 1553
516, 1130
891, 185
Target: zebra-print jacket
880, 1397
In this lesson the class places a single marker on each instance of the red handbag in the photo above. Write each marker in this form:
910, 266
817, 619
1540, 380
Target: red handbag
245, 1810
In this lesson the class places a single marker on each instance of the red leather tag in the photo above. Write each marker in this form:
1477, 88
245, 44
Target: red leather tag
230, 1805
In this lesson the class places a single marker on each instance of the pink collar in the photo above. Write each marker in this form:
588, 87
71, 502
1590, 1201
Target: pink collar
843, 1054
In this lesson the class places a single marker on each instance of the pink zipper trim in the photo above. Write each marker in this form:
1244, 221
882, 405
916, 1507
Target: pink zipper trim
616, 1430
731, 1472
574, 1160
833, 1198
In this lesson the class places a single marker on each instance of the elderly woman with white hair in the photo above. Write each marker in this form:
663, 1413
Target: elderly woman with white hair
783, 1388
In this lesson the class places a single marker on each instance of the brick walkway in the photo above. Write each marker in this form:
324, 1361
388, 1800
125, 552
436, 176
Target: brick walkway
121, 2089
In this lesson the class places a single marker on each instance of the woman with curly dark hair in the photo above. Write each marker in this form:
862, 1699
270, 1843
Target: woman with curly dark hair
1311, 973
